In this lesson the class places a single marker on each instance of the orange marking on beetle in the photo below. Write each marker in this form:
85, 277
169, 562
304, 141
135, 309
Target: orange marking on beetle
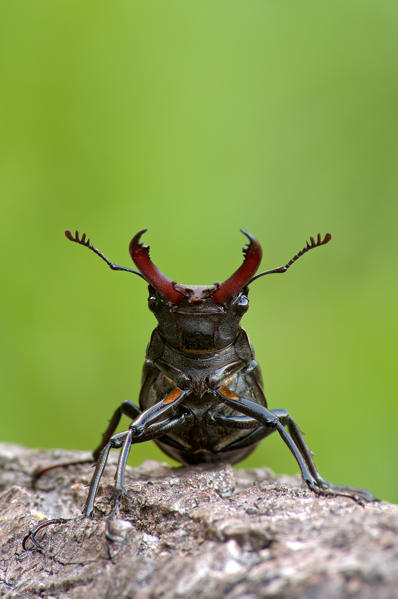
228, 393
229, 380
172, 396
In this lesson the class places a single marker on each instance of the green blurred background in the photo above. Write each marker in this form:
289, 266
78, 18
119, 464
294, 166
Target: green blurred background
195, 119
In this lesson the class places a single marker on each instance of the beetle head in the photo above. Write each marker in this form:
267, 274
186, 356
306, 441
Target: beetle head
198, 326
197, 317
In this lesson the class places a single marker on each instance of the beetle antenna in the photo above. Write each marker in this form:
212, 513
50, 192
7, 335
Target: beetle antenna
310, 245
83, 240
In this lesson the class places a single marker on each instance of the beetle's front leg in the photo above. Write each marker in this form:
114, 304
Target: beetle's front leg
144, 428
271, 420
152, 423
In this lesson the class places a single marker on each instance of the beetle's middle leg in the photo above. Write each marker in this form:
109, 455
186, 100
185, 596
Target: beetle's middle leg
276, 420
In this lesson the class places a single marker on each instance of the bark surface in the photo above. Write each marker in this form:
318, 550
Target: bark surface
189, 532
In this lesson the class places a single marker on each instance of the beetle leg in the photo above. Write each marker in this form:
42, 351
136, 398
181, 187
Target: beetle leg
125, 440
32, 533
127, 408
254, 436
235, 421
272, 420
39, 473
116, 441
143, 429
138, 431
146, 427
216, 378
250, 439
119, 478
269, 421
358, 495
121, 439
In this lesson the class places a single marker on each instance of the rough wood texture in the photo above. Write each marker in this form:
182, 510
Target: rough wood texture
190, 533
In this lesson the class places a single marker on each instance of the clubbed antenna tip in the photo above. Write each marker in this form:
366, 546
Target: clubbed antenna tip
312, 243
84, 240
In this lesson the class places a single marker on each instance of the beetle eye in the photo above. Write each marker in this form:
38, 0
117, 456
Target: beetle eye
153, 303
242, 305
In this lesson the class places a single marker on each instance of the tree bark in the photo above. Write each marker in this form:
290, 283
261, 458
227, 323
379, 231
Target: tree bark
189, 532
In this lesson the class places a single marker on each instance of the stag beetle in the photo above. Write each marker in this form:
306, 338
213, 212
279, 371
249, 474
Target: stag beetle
202, 398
